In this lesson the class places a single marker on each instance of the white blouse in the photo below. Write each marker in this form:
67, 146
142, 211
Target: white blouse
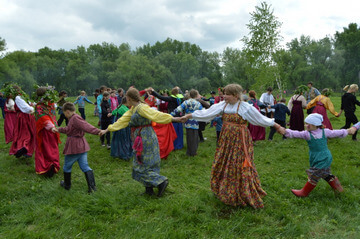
246, 111
23, 106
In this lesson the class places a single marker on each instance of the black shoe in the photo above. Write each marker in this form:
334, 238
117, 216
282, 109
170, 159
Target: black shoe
20, 152
90, 179
67, 181
148, 191
162, 186
50, 173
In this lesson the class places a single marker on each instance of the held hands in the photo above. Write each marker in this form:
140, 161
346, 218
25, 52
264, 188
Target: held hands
351, 130
102, 132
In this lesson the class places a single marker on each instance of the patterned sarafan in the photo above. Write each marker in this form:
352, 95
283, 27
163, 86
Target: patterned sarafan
234, 178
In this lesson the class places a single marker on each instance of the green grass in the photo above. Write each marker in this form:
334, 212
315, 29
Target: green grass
34, 207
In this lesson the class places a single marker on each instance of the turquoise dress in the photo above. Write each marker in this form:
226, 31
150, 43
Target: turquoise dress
319, 155
147, 170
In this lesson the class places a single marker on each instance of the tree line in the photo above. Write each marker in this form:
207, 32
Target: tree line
329, 62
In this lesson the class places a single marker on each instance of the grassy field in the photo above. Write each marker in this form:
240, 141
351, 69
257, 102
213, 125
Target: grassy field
35, 207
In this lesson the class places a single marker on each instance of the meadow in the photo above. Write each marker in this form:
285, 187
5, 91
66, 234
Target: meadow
32, 206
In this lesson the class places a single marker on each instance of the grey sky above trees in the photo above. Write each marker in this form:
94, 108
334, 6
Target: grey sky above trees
213, 25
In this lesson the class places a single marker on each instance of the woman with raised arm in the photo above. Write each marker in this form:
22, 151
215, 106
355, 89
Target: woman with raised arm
234, 179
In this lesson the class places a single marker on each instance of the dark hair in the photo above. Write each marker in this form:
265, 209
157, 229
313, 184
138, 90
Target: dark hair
123, 101
283, 100
252, 94
69, 106
102, 88
270, 89
61, 93
106, 93
40, 91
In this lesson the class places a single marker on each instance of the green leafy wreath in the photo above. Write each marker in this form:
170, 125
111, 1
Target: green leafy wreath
51, 95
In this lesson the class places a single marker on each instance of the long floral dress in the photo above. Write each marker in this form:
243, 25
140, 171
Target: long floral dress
234, 178
146, 167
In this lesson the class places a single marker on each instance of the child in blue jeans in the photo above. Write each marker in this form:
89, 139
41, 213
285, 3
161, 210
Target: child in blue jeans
76, 146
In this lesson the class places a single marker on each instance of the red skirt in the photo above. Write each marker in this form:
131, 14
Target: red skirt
166, 135
24, 134
9, 124
47, 153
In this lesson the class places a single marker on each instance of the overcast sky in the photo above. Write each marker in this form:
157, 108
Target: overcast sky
212, 24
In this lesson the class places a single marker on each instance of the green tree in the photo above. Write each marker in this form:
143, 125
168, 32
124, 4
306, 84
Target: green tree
234, 68
261, 45
349, 42
2, 45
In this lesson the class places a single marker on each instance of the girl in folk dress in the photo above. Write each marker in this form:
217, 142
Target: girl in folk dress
10, 119
322, 103
234, 179
257, 132
319, 155
296, 105
23, 143
47, 142
146, 163
121, 146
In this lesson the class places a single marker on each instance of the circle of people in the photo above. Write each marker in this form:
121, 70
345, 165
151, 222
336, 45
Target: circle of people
148, 125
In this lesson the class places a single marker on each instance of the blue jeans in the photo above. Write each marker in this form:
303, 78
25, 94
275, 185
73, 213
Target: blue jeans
70, 159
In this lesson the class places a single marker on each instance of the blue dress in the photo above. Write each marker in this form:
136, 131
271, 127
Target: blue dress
121, 145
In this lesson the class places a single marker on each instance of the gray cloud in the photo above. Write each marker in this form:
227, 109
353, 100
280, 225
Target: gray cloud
213, 25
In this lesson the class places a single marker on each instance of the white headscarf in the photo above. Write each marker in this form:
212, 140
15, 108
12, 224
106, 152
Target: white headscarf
314, 119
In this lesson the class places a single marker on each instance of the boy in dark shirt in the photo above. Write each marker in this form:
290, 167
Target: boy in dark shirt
280, 116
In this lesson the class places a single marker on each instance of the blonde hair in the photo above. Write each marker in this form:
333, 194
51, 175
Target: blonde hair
352, 87
233, 89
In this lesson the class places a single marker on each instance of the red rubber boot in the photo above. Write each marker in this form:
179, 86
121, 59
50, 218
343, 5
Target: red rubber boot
305, 191
335, 184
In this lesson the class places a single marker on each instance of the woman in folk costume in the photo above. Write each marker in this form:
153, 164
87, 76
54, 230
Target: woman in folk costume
174, 100
23, 143
10, 119
234, 179
121, 146
47, 142
146, 163
257, 132
322, 103
165, 132
296, 105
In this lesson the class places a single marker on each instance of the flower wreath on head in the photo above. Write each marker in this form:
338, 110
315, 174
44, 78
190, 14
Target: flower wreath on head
10, 90
50, 96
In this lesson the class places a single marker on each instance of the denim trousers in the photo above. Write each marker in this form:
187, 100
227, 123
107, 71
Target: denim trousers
70, 159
